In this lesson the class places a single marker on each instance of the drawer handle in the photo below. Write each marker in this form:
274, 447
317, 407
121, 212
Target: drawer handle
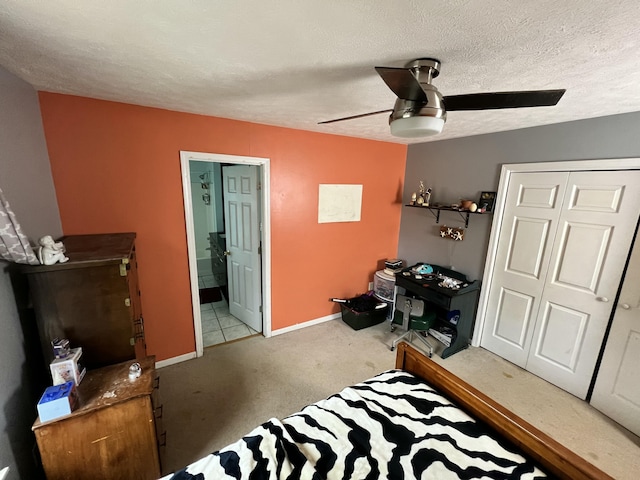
163, 442
156, 383
160, 407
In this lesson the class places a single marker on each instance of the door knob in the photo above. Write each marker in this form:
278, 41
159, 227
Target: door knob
602, 299
626, 306
226, 253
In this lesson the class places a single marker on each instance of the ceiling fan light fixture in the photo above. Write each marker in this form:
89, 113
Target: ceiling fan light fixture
417, 126
420, 110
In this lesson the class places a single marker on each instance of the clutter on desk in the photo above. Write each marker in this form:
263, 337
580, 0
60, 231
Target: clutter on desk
422, 269
425, 272
57, 401
448, 282
438, 276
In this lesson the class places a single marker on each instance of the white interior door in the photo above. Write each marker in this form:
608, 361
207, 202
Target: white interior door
617, 389
531, 214
242, 228
554, 324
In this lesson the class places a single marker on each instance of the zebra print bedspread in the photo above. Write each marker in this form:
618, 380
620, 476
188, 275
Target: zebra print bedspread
392, 426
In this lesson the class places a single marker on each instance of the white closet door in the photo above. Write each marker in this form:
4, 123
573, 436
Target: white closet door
591, 246
561, 251
531, 216
617, 388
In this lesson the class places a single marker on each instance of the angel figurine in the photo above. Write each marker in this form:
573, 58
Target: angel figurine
51, 252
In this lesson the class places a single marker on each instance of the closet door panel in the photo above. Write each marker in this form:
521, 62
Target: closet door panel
594, 235
513, 317
617, 388
526, 236
561, 336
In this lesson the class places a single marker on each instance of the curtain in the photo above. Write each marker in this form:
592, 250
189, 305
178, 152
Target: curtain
14, 245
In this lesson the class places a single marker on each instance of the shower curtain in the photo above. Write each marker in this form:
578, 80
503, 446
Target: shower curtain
14, 245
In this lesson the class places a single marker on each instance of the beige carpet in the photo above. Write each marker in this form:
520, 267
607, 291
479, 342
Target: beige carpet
214, 400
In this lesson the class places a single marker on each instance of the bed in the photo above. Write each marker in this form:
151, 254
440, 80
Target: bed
417, 421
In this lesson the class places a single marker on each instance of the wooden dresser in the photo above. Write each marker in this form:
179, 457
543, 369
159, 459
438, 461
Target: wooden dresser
93, 299
112, 434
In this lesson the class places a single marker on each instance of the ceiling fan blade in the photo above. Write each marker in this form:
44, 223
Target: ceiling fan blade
356, 116
495, 100
403, 83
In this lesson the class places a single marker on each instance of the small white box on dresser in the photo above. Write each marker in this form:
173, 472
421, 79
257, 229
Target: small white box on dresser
68, 369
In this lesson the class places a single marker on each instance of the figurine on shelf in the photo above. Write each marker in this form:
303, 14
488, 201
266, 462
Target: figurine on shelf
424, 194
427, 198
414, 198
51, 252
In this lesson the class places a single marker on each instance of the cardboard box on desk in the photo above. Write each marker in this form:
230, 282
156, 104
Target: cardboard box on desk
57, 401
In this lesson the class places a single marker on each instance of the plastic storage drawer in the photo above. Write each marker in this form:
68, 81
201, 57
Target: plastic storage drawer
383, 285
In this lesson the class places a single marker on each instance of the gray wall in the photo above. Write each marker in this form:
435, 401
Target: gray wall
25, 178
463, 167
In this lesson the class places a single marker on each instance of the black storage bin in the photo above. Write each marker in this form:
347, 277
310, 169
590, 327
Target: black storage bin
361, 312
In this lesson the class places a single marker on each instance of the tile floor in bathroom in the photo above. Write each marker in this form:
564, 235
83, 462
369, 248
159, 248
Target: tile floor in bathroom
218, 325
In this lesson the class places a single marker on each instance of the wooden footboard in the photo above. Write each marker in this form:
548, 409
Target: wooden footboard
551, 456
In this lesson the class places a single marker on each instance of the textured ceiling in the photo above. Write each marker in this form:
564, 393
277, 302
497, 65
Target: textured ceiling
293, 63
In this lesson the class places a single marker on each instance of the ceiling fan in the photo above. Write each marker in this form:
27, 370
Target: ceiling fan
421, 110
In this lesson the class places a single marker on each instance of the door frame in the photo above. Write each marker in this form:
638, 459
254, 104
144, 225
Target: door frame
505, 176
265, 198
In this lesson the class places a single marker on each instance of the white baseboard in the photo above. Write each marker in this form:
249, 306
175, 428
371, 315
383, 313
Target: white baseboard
310, 323
298, 326
174, 360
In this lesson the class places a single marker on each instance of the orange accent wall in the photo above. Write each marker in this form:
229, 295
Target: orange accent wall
116, 168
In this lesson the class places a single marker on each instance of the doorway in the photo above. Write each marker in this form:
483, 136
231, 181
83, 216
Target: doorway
210, 254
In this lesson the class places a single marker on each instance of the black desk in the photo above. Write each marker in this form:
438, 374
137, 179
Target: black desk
444, 300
